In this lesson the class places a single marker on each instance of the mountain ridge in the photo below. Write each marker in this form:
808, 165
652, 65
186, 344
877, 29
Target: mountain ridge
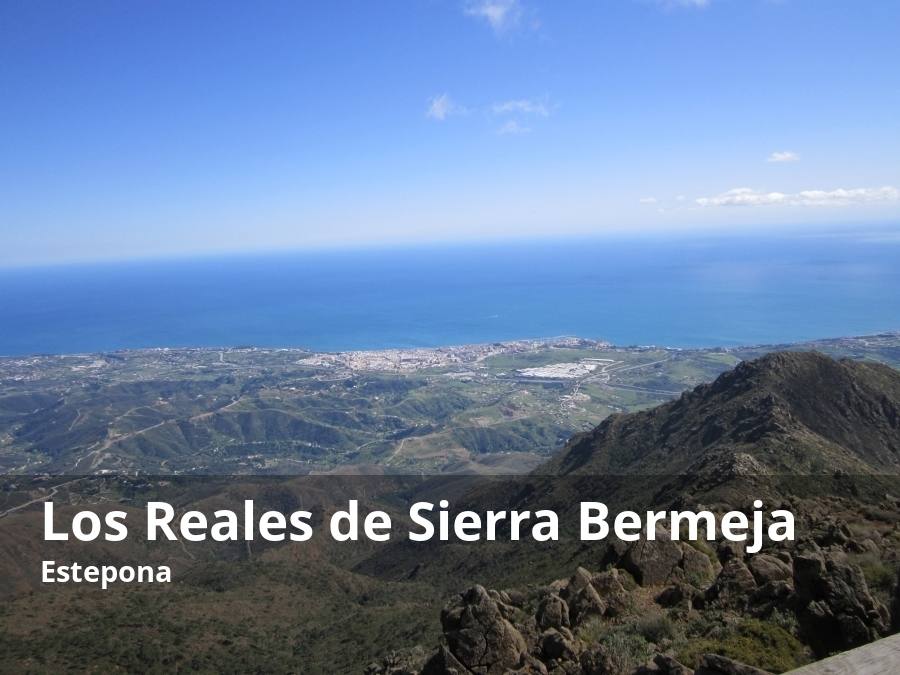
789, 412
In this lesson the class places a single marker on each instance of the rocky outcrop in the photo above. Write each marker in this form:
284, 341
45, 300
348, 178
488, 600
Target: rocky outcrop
583, 599
480, 637
553, 612
734, 585
722, 444
844, 414
610, 586
559, 629
834, 606
483, 633
652, 562
444, 663
662, 561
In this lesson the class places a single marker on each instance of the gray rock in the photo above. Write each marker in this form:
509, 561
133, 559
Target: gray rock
679, 594
479, 636
582, 597
443, 663
585, 604
713, 664
556, 646
766, 568
698, 569
552, 612
611, 589
663, 665
734, 585
834, 606
652, 563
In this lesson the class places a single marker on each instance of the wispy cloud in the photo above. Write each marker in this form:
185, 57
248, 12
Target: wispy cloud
669, 4
838, 197
512, 127
517, 108
501, 15
523, 106
648, 200
441, 107
783, 156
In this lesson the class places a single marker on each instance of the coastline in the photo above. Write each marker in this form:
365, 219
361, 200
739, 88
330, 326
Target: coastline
414, 358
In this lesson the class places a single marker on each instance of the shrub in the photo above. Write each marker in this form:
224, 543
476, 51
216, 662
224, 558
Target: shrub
785, 620
656, 628
879, 575
628, 582
624, 646
625, 649
592, 630
756, 643
704, 548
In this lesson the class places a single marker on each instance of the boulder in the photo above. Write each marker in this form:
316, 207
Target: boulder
596, 661
663, 665
479, 636
581, 579
610, 586
773, 594
582, 597
666, 665
585, 604
517, 598
713, 664
734, 585
552, 612
834, 606
726, 550
679, 594
652, 563
443, 663
766, 568
698, 569
557, 647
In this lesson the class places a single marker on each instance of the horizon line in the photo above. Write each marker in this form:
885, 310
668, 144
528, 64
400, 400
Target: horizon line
830, 229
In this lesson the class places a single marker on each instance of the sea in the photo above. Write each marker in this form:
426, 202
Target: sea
677, 291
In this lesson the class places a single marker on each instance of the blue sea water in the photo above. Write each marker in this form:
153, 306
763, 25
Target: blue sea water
685, 291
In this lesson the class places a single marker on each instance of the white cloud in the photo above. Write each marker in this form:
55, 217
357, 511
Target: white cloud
783, 156
648, 200
441, 107
670, 4
838, 197
512, 127
499, 14
522, 105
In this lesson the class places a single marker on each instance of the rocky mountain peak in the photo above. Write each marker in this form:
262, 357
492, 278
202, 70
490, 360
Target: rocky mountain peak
800, 412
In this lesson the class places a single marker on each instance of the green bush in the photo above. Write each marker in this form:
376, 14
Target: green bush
756, 643
879, 575
656, 628
784, 619
625, 649
592, 630
625, 645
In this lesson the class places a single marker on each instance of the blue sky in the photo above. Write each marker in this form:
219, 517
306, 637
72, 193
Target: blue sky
172, 128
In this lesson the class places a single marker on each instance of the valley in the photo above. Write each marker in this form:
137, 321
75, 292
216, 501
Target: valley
499, 408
